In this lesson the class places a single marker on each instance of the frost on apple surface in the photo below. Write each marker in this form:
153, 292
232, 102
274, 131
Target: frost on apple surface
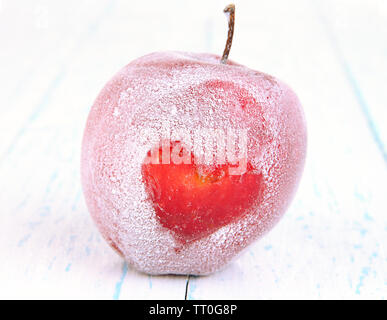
170, 97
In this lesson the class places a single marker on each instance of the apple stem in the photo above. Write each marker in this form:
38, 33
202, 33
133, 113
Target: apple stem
230, 13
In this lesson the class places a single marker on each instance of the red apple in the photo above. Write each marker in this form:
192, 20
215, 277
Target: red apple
170, 200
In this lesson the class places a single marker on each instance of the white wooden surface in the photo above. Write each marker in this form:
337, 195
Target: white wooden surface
55, 56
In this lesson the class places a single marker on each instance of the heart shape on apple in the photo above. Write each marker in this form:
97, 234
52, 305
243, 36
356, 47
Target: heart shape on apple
193, 201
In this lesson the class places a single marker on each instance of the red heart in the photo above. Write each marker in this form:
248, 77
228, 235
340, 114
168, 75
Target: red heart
193, 204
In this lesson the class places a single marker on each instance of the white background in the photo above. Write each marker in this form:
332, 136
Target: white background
55, 56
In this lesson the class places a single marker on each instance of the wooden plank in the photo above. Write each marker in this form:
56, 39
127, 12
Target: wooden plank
355, 30
45, 36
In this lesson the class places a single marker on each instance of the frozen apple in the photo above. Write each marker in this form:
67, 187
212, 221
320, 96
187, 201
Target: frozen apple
188, 158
